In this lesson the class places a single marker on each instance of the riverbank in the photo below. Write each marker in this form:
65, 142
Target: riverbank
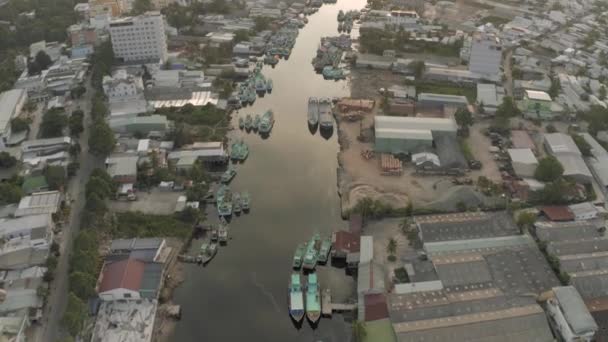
164, 323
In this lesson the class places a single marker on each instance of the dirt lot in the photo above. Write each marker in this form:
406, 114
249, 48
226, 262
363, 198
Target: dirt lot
480, 145
155, 202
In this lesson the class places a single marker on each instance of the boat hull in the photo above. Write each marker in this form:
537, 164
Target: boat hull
296, 315
313, 316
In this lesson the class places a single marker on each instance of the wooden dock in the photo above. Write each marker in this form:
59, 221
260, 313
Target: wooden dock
327, 307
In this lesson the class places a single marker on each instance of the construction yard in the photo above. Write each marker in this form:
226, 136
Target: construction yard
157, 202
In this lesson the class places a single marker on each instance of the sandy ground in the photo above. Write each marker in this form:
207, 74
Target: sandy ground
480, 147
382, 231
155, 202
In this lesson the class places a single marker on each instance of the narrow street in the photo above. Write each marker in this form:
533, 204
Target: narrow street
507, 68
49, 329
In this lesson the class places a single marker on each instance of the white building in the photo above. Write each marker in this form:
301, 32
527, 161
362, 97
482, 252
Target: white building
584, 211
569, 315
523, 161
139, 38
11, 103
486, 55
563, 148
26, 241
122, 87
490, 96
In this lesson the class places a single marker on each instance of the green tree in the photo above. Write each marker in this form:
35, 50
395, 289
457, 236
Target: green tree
98, 186
262, 23
525, 220
76, 123
548, 169
84, 260
418, 68
82, 284
555, 87
53, 123
141, 6
602, 94
95, 203
241, 36
9, 193
582, 145
55, 177
508, 108
550, 128
20, 124
197, 192
359, 330
101, 140
463, 117
74, 315
41, 62
6, 160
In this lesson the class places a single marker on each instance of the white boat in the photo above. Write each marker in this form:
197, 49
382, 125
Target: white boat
325, 114
313, 111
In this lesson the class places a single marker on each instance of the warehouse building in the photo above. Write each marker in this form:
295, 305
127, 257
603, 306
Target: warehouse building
562, 147
523, 161
409, 134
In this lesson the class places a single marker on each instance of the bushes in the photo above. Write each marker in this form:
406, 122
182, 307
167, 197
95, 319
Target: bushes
137, 224
75, 313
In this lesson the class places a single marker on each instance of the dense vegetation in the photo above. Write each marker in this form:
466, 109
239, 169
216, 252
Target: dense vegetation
137, 224
376, 41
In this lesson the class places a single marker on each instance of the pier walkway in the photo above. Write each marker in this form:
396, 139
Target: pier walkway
327, 307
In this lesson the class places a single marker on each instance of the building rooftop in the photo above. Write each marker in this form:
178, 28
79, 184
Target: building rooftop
538, 95
521, 139
563, 231
39, 203
8, 103
590, 284
488, 95
124, 274
557, 213
522, 155
465, 226
448, 99
560, 143
582, 246
135, 244
125, 321
414, 123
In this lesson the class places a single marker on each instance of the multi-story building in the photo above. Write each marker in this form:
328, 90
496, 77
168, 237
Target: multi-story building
11, 103
123, 87
82, 35
139, 38
114, 8
486, 55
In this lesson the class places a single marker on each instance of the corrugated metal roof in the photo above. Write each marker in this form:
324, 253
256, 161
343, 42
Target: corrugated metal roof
366, 249
412, 134
560, 143
414, 123
136, 244
538, 95
8, 103
39, 203
574, 309
124, 274
522, 155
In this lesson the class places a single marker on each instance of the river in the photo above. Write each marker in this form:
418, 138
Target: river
291, 176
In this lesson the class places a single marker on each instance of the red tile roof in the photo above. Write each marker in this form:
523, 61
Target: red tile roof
375, 307
557, 213
521, 139
124, 274
346, 241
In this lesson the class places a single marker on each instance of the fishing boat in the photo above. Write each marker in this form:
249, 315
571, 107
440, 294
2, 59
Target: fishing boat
260, 85
325, 116
313, 299
313, 111
241, 122
340, 27
239, 151
266, 122
296, 298
341, 15
228, 175
224, 201
248, 122
256, 122
236, 203
312, 253
222, 234
245, 201
269, 85
298, 256
214, 235
324, 251
207, 252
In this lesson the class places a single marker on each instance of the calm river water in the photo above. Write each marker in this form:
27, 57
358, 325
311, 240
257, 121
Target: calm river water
291, 176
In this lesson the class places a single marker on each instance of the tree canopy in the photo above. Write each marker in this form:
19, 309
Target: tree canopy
582, 145
20, 124
101, 140
53, 123
41, 62
463, 117
75, 123
6, 160
55, 177
549, 169
508, 108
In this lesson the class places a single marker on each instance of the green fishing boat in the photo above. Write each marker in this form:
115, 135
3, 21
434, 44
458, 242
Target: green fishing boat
312, 254
239, 151
245, 201
324, 251
248, 122
266, 122
313, 299
256, 122
228, 175
298, 256
241, 122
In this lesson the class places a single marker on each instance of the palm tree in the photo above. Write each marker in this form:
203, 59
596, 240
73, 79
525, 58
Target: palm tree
391, 247
359, 330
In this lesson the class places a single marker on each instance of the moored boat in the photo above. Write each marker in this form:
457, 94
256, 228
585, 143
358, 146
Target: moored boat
298, 256
222, 234
224, 201
241, 122
256, 122
266, 122
228, 175
248, 122
324, 251
236, 203
313, 111
312, 253
325, 115
245, 201
207, 252
269, 85
296, 298
313, 299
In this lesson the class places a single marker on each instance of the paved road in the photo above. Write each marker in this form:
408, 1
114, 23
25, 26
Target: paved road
57, 300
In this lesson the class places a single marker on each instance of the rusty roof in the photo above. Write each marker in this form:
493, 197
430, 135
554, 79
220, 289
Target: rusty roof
558, 213
375, 307
124, 274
